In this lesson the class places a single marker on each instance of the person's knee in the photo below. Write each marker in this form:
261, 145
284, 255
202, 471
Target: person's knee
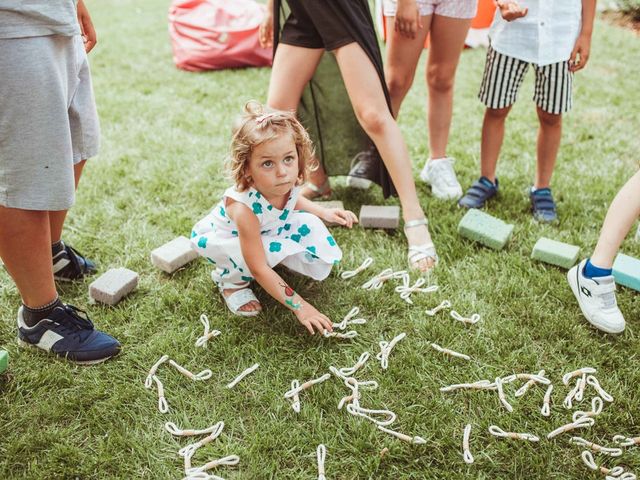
372, 119
498, 114
439, 80
549, 120
398, 83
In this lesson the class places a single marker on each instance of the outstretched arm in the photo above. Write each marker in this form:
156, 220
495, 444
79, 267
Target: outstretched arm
255, 258
346, 218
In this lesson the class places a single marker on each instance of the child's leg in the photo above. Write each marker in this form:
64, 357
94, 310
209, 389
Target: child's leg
492, 138
402, 59
228, 288
57, 218
622, 213
447, 41
368, 100
549, 136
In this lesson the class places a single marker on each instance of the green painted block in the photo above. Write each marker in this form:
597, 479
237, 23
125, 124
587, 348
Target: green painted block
556, 253
4, 360
482, 227
626, 271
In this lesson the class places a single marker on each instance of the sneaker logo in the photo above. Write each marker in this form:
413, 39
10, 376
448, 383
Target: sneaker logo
585, 291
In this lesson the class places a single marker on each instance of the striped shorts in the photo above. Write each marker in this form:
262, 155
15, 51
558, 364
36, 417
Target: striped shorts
503, 76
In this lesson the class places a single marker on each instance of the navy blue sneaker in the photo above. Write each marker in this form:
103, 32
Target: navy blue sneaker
482, 190
68, 333
542, 205
69, 265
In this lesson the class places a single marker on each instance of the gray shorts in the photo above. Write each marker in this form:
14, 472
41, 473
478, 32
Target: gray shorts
48, 120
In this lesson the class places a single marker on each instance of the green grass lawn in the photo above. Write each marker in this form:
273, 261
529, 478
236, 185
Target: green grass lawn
165, 135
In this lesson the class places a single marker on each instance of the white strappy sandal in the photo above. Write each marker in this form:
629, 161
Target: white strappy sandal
238, 299
420, 252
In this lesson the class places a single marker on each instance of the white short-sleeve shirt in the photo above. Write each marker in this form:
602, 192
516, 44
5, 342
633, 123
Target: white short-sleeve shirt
546, 35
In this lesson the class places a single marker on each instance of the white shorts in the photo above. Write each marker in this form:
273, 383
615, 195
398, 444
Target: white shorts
444, 8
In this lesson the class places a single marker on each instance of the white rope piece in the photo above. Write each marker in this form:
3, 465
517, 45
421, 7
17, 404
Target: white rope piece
368, 412
349, 320
375, 283
230, 460
473, 319
589, 461
625, 441
405, 290
352, 273
203, 375
163, 406
415, 440
538, 378
243, 374
295, 400
468, 457
350, 371
546, 402
207, 335
191, 449
479, 385
612, 452
148, 383
582, 384
501, 395
566, 378
173, 429
334, 334
580, 423
442, 306
321, 454
309, 383
593, 381
451, 353
385, 349
596, 409
498, 432
202, 476
568, 400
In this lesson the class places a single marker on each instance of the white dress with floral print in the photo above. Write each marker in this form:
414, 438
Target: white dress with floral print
294, 238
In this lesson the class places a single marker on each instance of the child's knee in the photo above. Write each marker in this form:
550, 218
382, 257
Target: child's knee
549, 119
497, 113
440, 79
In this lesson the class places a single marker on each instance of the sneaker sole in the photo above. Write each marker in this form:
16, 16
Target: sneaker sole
574, 288
30, 346
357, 182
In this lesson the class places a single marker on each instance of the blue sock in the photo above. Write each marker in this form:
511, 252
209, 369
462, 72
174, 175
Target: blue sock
590, 270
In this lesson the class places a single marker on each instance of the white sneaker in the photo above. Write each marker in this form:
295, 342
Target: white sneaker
361, 165
597, 299
442, 178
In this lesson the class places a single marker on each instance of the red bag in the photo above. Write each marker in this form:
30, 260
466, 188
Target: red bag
216, 34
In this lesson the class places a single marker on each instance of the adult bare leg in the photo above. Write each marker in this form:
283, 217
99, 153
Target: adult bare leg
367, 97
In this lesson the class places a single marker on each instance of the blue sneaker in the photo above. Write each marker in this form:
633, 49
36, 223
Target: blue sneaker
68, 333
69, 265
542, 205
482, 190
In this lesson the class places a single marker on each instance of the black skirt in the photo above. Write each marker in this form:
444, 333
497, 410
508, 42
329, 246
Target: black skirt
325, 109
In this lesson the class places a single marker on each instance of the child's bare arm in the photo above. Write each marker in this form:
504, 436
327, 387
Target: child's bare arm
511, 9
346, 218
265, 33
86, 26
582, 48
255, 258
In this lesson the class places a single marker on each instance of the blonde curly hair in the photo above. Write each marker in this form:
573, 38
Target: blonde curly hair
259, 124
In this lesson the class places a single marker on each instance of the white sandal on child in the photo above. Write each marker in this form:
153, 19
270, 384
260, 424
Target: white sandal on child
238, 299
420, 252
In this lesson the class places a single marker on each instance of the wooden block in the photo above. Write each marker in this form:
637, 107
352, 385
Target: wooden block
483, 228
173, 255
556, 253
4, 360
626, 271
377, 216
113, 285
331, 204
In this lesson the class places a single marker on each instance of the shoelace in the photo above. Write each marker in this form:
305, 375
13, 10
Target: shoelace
498, 432
203, 375
546, 403
190, 450
451, 353
163, 405
76, 322
624, 441
385, 349
442, 306
148, 382
243, 374
407, 438
349, 320
321, 454
173, 429
473, 319
405, 290
207, 335
580, 423
596, 409
466, 451
352, 273
612, 452
501, 395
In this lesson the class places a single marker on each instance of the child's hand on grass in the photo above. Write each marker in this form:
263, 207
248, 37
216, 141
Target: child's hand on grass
511, 10
346, 218
312, 319
408, 20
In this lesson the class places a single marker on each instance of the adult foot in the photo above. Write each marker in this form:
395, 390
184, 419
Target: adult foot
439, 173
422, 252
69, 264
251, 304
